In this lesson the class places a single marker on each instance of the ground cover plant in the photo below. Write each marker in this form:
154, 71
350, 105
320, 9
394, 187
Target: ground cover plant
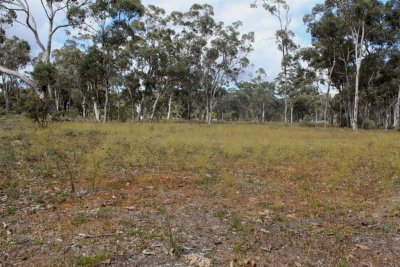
152, 194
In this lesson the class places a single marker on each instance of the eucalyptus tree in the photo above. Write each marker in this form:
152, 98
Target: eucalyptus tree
93, 77
156, 55
392, 23
254, 99
284, 39
59, 14
67, 88
298, 81
220, 53
328, 37
360, 19
14, 55
110, 27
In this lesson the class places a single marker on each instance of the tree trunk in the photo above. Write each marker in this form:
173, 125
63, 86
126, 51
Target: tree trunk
24, 78
316, 114
326, 105
105, 115
263, 112
96, 108
397, 113
132, 105
329, 89
210, 110
155, 106
286, 109
189, 107
387, 119
56, 100
169, 107
207, 109
84, 107
291, 113
139, 111
118, 111
7, 99
349, 113
359, 57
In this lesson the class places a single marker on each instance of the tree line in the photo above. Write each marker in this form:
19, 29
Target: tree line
124, 61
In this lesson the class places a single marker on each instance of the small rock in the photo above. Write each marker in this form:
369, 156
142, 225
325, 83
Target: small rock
362, 247
197, 260
148, 252
3, 199
267, 248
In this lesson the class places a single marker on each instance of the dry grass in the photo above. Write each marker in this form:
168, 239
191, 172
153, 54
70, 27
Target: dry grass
89, 194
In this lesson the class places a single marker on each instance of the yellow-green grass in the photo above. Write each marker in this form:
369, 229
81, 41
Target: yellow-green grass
236, 170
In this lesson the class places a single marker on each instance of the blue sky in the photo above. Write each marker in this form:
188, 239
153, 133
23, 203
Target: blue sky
265, 53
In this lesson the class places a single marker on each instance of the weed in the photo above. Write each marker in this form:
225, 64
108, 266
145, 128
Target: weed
10, 211
342, 263
172, 238
91, 260
235, 222
80, 219
220, 214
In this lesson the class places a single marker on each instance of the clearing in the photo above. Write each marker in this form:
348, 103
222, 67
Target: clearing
149, 194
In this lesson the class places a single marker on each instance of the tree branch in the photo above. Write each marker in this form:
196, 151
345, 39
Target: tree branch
24, 78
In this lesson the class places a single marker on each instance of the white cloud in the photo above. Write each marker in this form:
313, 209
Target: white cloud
265, 55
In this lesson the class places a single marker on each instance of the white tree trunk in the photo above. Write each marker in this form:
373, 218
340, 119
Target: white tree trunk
57, 100
96, 108
84, 107
291, 113
210, 110
286, 109
169, 106
359, 49
316, 115
139, 111
155, 106
263, 112
24, 78
387, 119
329, 90
397, 113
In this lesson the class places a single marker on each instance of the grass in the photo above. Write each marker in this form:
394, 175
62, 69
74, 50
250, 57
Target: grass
91, 260
322, 182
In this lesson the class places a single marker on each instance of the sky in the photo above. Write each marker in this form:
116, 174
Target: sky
265, 55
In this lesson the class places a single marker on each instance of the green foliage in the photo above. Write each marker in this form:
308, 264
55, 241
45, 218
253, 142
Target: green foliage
45, 74
80, 219
132, 62
39, 110
91, 260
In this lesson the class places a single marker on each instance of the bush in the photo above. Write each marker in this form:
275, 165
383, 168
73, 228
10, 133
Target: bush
39, 110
